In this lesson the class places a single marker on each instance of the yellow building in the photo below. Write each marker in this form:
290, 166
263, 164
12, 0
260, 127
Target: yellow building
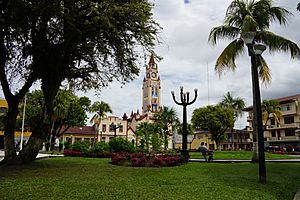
285, 133
3, 106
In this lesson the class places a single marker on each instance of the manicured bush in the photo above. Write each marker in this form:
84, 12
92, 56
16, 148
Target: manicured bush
143, 160
100, 147
119, 144
82, 146
72, 153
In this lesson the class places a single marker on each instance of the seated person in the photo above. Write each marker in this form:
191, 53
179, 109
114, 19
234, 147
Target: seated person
204, 150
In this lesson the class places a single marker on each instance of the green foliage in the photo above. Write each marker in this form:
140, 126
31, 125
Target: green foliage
100, 147
271, 108
100, 109
167, 119
234, 103
82, 146
119, 144
215, 119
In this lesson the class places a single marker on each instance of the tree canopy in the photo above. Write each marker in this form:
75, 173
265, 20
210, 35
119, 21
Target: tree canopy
85, 43
215, 119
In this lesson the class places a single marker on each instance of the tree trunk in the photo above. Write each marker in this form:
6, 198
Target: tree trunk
9, 133
34, 144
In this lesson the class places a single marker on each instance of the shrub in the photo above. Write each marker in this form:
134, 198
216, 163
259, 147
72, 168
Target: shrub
68, 145
72, 153
82, 146
143, 160
100, 147
119, 144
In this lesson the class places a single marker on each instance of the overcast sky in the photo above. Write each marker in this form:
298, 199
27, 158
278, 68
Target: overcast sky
188, 60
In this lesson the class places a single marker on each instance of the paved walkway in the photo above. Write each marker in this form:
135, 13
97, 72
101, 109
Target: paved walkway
39, 156
245, 161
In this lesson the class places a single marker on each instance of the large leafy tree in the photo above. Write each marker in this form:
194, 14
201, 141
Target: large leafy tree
271, 109
215, 119
167, 119
88, 43
100, 109
256, 15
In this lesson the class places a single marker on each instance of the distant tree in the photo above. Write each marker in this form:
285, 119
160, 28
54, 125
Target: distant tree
150, 133
87, 43
100, 109
271, 109
69, 111
234, 103
237, 104
215, 119
167, 119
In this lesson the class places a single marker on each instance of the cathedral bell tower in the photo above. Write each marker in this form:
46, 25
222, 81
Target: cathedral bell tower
151, 88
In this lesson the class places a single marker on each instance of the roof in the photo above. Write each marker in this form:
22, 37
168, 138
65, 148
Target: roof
281, 100
81, 130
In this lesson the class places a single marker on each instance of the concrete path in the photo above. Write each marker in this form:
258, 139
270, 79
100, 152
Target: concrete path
39, 156
246, 161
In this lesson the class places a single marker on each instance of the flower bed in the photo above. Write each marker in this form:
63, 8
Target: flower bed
73, 153
143, 160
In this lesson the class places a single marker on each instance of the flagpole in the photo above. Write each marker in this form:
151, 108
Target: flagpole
23, 120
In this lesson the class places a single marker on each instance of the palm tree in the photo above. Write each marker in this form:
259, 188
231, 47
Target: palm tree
234, 103
271, 108
143, 130
100, 109
255, 15
237, 104
167, 118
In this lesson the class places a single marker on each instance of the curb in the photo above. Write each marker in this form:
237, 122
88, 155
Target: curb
297, 195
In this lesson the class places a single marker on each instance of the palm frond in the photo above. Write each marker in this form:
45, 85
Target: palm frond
226, 61
264, 71
221, 32
278, 43
249, 24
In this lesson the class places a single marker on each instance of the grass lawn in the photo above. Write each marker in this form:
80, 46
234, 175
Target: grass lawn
240, 155
87, 178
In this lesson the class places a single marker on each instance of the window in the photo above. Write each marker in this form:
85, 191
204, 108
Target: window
111, 128
272, 121
286, 107
290, 132
121, 129
103, 127
273, 133
289, 120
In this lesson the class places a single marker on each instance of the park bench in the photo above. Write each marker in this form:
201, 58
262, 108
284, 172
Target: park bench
208, 154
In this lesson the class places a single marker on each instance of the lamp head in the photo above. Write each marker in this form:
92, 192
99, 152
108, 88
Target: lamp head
248, 37
259, 48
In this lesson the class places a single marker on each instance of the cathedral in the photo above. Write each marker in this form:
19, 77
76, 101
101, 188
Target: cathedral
126, 126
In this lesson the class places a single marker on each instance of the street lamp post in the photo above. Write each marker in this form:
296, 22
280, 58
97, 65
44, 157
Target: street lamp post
115, 127
185, 101
254, 50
